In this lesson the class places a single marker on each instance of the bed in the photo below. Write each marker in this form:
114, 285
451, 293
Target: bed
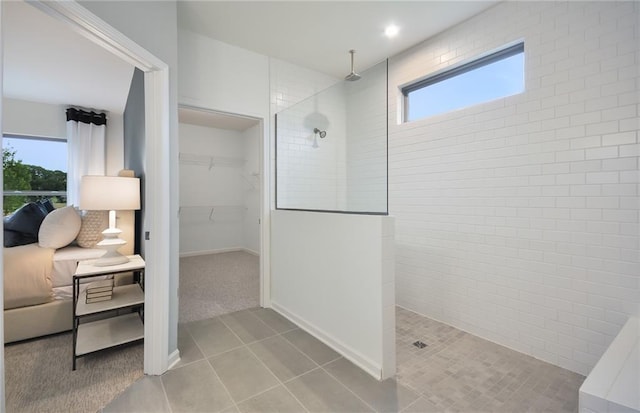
38, 278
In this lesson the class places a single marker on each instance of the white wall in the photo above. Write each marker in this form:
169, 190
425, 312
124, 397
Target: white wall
224, 78
311, 177
218, 76
153, 25
330, 278
366, 116
19, 115
251, 185
22, 117
328, 273
517, 220
291, 84
214, 200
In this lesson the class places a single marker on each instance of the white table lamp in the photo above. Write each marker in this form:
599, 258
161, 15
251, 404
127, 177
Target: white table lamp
110, 193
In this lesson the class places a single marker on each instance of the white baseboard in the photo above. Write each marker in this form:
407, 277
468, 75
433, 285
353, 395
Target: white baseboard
174, 358
347, 352
218, 251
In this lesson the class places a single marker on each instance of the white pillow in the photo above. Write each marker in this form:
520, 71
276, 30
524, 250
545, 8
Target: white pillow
59, 228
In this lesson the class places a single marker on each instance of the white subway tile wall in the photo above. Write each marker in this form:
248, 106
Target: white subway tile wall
346, 170
309, 174
367, 141
517, 220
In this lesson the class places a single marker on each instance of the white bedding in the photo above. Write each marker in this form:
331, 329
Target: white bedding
65, 261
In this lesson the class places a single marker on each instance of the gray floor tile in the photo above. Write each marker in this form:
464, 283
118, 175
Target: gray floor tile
282, 358
275, 400
312, 347
189, 351
232, 409
195, 388
242, 374
144, 396
319, 392
421, 405
274, 320
247, 326
212, 336
383, 396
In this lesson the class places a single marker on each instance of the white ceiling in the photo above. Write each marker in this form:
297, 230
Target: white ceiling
214, 119
319, 34
44, 61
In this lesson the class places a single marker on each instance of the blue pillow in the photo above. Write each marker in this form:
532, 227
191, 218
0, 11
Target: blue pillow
21, 227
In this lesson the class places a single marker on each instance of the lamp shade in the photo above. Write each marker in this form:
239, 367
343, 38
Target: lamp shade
106, 193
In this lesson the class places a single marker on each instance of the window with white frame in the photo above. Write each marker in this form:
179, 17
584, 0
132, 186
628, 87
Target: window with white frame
490, 77
33, 168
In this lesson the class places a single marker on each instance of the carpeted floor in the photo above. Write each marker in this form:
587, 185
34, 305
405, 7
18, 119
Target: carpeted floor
38, 375
215, 284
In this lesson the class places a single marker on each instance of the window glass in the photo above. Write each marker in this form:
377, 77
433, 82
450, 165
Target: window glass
33, 168
498, 75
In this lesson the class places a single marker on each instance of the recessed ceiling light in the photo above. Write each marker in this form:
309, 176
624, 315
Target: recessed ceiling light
391, 30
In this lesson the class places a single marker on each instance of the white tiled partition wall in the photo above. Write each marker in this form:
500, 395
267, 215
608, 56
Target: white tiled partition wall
517, 220
322, 262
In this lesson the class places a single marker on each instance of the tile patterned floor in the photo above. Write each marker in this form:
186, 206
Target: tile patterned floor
256, 361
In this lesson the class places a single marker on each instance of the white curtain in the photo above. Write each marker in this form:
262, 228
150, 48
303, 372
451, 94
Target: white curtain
86, 133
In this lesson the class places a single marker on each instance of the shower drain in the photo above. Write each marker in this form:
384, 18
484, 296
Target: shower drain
419, 344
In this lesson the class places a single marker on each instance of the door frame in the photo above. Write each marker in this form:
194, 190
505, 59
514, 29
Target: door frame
265, 275
158, 157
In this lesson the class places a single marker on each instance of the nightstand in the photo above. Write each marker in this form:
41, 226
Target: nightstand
100, 325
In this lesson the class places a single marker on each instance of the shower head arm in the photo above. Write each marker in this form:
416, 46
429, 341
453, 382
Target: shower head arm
352, 66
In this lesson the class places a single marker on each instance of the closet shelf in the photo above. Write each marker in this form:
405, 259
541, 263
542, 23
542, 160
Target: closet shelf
210, 161
211, 210
253, 179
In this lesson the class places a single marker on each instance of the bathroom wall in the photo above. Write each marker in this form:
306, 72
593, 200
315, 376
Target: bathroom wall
311, 177
366, 114
290, 85
346, 260
333, 276
346, 170
252, 176
517, 219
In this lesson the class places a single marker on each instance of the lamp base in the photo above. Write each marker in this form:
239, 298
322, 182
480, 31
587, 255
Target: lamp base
106, 261
111, 243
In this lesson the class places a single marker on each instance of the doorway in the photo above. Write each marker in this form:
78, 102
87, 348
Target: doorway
159, 221
220, 213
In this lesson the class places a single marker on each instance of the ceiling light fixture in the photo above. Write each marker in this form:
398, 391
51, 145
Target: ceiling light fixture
391, 30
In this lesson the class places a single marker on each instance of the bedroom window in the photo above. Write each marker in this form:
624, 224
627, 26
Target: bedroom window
490, 77
33, 168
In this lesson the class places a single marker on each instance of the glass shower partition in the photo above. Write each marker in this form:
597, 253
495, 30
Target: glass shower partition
331, 149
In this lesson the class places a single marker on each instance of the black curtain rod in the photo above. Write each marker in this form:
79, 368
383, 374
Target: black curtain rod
83, 116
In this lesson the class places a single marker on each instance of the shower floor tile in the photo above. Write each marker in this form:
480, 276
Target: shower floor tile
259, 362
458, 371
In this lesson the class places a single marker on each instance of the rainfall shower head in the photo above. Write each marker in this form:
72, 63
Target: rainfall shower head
322, 133
353, 76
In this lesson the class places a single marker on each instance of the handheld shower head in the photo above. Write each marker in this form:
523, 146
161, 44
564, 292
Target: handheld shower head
353, 76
